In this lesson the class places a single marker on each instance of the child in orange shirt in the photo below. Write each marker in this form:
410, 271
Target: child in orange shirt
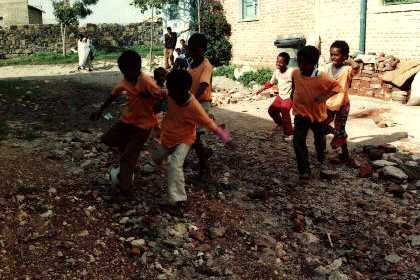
310, 90
201, 71
179, 132
137, 118
343, 71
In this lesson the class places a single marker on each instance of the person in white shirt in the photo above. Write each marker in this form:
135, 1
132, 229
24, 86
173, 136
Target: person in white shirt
279, 110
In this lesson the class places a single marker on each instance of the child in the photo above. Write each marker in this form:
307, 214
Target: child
159, 75
279, 110
310, 90
137, 118
181, 62
339, 105
179, 132
202, 72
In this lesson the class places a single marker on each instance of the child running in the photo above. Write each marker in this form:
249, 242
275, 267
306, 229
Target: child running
310, 90
279, 110
342, 70
201, 71
179, 133
137, 118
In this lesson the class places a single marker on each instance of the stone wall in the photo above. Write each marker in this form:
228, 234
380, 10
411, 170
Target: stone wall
392, 29
28, 39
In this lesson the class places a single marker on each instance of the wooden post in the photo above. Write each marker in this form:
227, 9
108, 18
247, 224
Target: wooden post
152, 31
199, 15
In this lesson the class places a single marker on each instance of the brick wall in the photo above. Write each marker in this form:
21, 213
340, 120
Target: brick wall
28, 39
394, 30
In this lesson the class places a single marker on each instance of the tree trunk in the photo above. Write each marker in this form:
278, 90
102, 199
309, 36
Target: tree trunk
199, 15
152, 31
63, 38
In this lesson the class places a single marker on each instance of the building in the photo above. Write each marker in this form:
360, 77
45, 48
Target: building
19, 12
389, 26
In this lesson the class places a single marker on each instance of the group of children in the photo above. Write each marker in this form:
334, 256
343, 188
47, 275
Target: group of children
183, 100
317, 98
187, 95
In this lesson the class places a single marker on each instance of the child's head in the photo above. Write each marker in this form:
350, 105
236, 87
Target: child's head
130, 65
307, 59
169, 29
183, 43
283, 60
339, 52
179, 85
178, 51
160, 75
81, 36
197, 45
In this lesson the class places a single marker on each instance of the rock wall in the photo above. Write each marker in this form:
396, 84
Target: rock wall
29, 39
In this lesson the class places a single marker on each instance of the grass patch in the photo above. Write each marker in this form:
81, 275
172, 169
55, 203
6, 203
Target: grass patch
259, 77
56, 58
225, 71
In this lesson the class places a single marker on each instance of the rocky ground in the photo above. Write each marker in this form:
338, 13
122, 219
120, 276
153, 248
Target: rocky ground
59, 221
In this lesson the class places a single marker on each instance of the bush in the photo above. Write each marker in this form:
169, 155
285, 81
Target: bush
226, 71
259, 77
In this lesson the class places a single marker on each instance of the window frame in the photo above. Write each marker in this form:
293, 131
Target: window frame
403, 2
242, 17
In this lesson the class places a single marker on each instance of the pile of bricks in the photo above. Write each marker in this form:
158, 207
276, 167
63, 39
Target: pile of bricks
369, 83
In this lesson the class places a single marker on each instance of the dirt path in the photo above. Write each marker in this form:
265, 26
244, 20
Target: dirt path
254, 220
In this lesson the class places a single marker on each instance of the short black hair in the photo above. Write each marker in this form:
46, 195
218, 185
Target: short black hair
286, 56
182, 40
81, 36
159, 72
342, 46
169, 28
128, 61
198, 40
308, 54
179, 84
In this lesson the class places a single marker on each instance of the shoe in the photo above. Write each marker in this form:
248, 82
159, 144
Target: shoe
288, 139
113, 175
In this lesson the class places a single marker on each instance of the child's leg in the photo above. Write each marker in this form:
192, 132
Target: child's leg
320, 140
131, 154
331, 117
113, 137
176, 179
203, 152
275, 110
160, 154
340, 122
285, 108
302, 126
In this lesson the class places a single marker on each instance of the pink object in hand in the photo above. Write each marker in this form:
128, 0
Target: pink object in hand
223, 135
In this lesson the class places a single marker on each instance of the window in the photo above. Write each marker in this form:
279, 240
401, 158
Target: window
249, 9
173, 12
397, 2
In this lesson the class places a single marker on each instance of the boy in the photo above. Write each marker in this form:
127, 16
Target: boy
310, 90
343, 71
137, 118
159, 75
201, 71
179, 132
181, 62
279, 110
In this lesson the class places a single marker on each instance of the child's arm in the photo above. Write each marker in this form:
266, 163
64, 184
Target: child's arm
203, 120
332, 87
267, 85
205, 81
97, 115
201, 89
355, 67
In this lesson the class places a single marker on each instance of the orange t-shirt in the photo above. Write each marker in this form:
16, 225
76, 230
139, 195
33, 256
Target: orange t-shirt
203, 73
343, 76
306, 89
180, 123
138, 110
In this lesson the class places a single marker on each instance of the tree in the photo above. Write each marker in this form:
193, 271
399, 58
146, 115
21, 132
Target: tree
68, 14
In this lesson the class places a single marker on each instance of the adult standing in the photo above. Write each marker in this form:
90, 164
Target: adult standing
170, 44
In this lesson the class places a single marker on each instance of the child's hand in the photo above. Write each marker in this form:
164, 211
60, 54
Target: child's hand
320, 99
95, 116
223, 135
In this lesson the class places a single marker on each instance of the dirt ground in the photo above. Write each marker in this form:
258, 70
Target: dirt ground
254, 220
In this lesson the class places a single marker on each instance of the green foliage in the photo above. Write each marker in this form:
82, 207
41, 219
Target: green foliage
259, 77
215, 26
145, 5
55, 58
226, 71
68, 14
